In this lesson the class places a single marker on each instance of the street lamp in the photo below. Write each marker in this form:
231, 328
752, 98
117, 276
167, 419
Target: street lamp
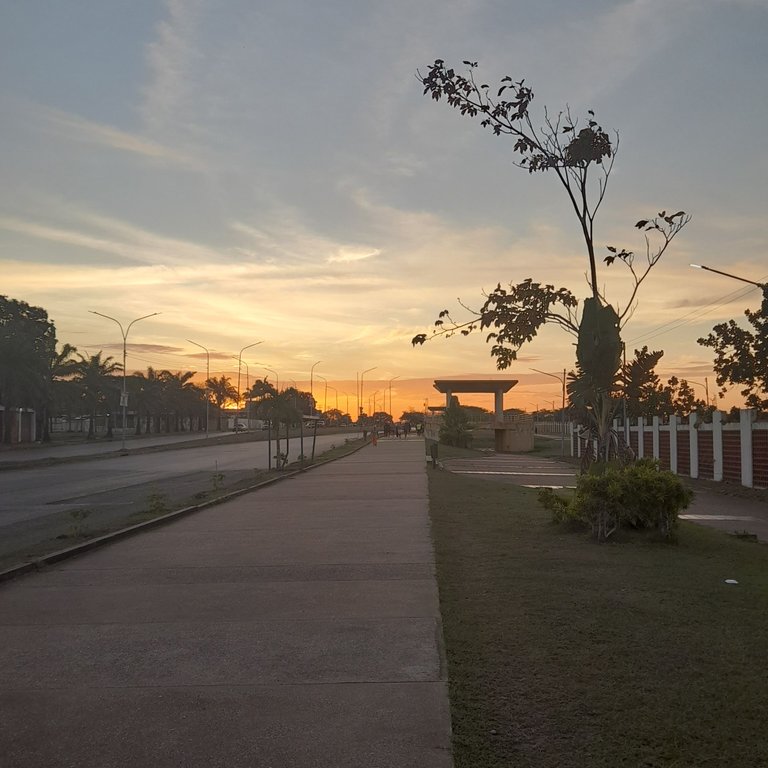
562, 414
277, 378
207, 379
311, 386
705, 385
325, 393
360, 399
347, 396
372, 409
728, 274
337, 396
239, 359
390, 397
124, 395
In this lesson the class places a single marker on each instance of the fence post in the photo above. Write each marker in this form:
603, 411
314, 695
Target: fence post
745, 429
640, 437
655, 435
717, 446
693, 442
673, 444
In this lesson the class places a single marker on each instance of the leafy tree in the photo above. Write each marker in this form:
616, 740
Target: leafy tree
741, 355
333, 416
454, 429
27, 347
582, 159
413, 417
682, 397
302, 401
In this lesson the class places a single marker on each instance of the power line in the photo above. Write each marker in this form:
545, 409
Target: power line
693, 315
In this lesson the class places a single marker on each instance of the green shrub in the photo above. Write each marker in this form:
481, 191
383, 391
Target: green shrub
638, 496
654, 498
454, 429
561, 508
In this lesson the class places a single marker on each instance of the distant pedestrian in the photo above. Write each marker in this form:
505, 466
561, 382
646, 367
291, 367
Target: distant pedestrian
374, 438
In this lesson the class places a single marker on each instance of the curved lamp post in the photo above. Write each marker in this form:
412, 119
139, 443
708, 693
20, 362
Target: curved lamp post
562, 414
394, 378
124, 395
311, 386
277, 378
728, 274
239, 360
325, 394
705, 385
360, 400
207, 378
337, 395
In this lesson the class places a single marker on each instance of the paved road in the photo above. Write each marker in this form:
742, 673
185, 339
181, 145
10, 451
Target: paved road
26, 494
23, 454
294, 627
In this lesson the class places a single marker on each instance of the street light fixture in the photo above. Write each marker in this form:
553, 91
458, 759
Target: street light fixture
705, 385
311, 386
277, 378
239, 359
360, 399
562, 413
124, 395
390, 397
337, 396
325, 393
347, 396
207, 379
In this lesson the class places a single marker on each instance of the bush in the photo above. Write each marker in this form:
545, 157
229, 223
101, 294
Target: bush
653, 498
454, 429
639, 496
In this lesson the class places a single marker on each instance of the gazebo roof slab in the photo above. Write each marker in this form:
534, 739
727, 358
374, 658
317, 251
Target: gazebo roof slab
490, 386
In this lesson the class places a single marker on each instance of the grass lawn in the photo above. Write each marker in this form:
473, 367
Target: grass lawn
564, 653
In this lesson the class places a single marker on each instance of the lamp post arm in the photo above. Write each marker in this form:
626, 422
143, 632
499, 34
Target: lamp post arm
728, 274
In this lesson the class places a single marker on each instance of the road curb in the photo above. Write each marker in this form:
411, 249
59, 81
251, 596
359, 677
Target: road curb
63, 554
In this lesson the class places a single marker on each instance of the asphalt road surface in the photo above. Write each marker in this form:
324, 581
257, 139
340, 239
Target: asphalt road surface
29, 493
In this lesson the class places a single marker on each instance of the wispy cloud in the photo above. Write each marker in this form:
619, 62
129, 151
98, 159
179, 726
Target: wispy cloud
170, 57
76, 128
111, 236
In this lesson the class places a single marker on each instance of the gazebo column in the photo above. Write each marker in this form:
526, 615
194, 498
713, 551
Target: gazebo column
448, 396
498, 404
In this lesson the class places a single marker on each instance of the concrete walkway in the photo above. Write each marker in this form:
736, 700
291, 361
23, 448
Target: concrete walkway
295, 626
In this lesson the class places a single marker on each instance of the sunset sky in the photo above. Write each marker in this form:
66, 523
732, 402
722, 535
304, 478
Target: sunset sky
270, 171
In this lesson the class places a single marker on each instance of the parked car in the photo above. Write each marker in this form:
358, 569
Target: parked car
240, 426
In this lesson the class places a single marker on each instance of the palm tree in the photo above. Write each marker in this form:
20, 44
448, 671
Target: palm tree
97, 385
177, 389
221, 392
57, 388
150, 397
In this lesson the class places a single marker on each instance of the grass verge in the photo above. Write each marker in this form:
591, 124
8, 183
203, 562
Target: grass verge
564, 653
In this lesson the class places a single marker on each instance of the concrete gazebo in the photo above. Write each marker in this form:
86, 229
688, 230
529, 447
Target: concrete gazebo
512, 433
